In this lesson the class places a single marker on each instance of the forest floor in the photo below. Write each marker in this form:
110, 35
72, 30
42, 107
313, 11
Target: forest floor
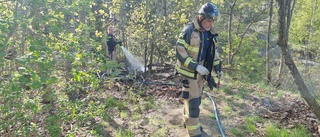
139, 105
244, 110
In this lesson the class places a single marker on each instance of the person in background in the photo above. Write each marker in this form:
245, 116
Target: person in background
111, 43
196, 58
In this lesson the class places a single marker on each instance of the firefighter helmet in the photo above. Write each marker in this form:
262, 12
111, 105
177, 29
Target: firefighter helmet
209, 10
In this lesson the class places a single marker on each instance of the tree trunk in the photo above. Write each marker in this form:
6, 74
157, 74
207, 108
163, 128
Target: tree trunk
268, 71
283, 43
154, 33
151, 57
146, 40
281, 71
230, 54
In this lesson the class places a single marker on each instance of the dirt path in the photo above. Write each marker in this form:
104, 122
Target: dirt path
171, 115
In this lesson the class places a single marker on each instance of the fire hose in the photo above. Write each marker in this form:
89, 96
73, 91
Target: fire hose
216, 113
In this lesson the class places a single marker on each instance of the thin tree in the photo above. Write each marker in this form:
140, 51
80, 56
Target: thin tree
285, 13
231, 6
147, 35
153, 34
268, 71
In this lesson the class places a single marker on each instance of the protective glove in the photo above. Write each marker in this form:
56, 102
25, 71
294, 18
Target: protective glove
202, 70
120, 43
211, 82
218, 68
219, 74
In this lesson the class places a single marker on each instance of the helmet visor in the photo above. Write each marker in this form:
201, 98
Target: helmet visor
212, 16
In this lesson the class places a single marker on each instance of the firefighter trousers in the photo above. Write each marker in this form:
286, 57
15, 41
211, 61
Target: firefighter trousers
192, 90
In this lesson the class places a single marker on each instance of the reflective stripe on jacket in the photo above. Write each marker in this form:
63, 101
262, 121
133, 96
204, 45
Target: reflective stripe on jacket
189, 48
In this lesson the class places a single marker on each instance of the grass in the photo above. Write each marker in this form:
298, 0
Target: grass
272, 130
154, 120
228, 91
299, 131
243, 92
110, 102
97, 130
123, 114
212, 116
161, 132
124, 133
133, 97
237, 96
53, 127
231, 84
150, 103
136, 117
138, 109
250, 123
262, 85
206, 101
280, 93
237, 132
226, 109
251, 127
120, 105
149, 106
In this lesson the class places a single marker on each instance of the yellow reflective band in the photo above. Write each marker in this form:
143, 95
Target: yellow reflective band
187, 62
181, 41
193, 127
216, 62
193, 49
184, 72
187, 46
181, 35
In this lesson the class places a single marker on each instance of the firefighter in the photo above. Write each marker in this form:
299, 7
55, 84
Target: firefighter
111, 43
196, 58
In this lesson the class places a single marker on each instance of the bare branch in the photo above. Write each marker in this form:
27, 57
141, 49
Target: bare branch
255, 20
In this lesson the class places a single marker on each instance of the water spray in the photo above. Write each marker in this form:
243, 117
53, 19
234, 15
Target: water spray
135, 64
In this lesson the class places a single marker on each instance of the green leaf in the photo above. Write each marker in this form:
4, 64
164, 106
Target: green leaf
16, 88
2, 54
43, 79
32, 48
3, 37
36, 84
24, 80
24, 25
52, 79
